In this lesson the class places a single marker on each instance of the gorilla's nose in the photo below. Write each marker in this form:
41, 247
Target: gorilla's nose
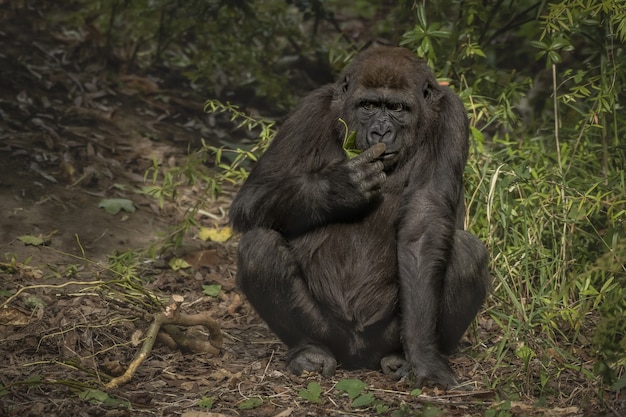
382, 134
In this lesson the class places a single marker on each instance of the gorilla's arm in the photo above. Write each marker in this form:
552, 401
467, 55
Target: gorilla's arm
304, 179
426, 237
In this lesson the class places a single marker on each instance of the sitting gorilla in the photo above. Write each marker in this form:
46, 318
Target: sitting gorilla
364, 261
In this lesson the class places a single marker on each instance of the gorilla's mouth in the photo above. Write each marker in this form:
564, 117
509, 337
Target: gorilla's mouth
388, 155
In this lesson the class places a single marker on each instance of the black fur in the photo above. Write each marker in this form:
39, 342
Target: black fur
363, 260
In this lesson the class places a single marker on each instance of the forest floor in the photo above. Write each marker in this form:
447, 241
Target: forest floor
74, 133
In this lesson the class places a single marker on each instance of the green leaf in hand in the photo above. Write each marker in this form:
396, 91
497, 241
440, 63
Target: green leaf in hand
349, 142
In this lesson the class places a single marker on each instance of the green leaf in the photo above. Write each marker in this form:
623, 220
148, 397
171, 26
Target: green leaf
312, 393
421, 15
250, 403
33, 240
619, 385
353, 387
559, 44
439, 34
178, 263
363, 400
416, 392
524, 352
35, 379
349, 142
100, 397
93, 394
381, 408
477, 135
430, 411
206, 402
34, 302
554, 57
212, 290
114, 205
539, 45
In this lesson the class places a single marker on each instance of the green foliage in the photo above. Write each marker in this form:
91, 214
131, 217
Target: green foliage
352, 387
234, 171
115, 205
250, 403
206, 402
348, 143
215, 43
312, 393
165, 182
426, 411
546, 183
230, 167
212, 290
96, 396
363, 400
33, 240
425, 37
502, 409
356, 390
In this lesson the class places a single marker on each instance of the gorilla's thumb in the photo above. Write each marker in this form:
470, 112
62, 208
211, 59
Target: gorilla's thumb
374, 151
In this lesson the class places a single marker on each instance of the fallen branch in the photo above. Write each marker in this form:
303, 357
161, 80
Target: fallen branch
164, 327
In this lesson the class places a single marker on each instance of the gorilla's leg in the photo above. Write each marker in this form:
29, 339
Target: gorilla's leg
466, 285
272, 281
464, 289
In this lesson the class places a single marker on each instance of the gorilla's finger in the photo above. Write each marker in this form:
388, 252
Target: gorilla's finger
372, 153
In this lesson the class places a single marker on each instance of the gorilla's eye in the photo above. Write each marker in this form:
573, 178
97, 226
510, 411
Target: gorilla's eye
395, 106
368, 105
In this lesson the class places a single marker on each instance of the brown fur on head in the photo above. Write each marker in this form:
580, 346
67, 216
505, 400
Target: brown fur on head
383, 66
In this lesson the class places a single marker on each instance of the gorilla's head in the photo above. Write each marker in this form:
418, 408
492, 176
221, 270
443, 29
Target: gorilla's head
388, 95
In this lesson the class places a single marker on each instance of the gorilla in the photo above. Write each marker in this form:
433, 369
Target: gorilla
363, 262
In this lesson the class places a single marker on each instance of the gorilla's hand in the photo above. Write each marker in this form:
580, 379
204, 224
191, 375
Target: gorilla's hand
366, 170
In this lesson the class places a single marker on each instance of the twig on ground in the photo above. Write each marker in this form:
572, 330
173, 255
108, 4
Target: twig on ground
164, 327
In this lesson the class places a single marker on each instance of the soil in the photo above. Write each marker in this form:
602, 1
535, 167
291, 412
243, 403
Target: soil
76, 304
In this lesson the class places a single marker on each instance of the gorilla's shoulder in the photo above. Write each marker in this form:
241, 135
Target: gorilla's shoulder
320, 98
319, 107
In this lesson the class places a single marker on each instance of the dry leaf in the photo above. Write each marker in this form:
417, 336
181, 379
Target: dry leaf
14, 317
217, 234
198, 259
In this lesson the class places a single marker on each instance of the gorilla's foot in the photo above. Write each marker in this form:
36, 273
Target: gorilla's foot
311, 358
427, 373
395, 365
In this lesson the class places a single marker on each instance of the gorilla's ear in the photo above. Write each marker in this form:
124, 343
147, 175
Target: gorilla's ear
432, 93
344, 84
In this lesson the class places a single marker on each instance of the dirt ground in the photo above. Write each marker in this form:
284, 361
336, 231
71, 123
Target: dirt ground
73, 133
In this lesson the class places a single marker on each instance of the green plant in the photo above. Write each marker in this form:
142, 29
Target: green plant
312, 393
250, 403
219, 46
206, 402
231, 167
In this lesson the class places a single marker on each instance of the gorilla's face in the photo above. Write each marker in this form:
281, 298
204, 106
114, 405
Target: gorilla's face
389, 101
385, 117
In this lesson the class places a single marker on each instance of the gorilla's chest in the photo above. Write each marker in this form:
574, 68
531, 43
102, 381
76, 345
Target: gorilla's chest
352, 266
